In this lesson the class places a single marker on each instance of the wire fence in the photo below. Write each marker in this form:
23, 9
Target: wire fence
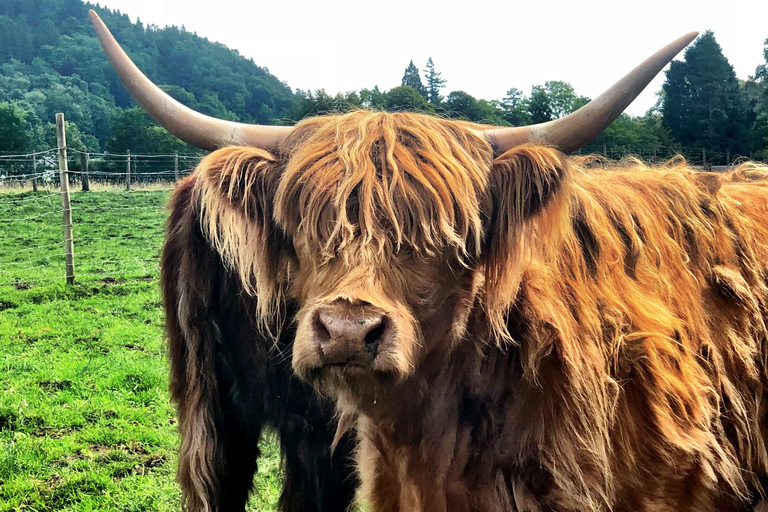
117, 227
41, 169
117, 206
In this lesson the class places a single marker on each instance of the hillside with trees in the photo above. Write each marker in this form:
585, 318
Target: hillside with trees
51, 61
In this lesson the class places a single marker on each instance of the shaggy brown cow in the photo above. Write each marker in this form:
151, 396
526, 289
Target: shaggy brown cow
517, 333
504, 328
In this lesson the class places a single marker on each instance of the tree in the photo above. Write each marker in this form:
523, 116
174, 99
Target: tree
135, 131
406, 98
76, 140
434, 83
411, 78
319, 103
490, 112
15, 39
515, 108
628, 134
758, 92
461, 105
562, 98
46, 33
14, 132
540, 105
373, 98
704, 106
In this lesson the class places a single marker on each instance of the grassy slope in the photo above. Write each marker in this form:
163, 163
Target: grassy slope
85, 419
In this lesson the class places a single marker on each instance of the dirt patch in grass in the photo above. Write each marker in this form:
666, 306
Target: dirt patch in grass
126, 459
20, 284
54, 433
4, 304
56, 385
15, 422
111, 281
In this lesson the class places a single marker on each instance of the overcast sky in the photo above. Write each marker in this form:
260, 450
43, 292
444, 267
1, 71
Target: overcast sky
480, 47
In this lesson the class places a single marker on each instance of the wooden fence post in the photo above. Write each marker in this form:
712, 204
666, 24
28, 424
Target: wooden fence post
728, 157
34, 173
704, 157
84, 171
128, 171
176, 165
69, 251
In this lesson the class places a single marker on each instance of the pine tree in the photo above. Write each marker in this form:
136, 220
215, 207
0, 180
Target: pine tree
411, 78
704, 106
515, 106
759, 99
434, 83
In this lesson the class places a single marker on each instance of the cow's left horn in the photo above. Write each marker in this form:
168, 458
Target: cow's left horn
575, 130
190, 126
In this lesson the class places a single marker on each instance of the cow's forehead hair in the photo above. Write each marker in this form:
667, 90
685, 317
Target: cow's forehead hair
385, 180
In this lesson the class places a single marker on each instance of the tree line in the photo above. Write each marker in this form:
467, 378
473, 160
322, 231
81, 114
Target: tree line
51, 61
703, 109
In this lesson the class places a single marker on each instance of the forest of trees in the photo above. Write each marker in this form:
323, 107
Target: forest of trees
50, 61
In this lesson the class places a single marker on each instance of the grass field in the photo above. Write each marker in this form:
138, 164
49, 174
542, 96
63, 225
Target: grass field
85, 418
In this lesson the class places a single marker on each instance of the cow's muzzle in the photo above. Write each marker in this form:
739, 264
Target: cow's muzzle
347, 333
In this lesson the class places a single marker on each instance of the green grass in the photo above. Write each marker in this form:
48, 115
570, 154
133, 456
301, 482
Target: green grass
85, 418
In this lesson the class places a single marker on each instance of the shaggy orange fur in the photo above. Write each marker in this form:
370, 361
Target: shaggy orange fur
569, 334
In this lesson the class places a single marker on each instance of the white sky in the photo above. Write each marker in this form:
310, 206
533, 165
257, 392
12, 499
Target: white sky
481, 47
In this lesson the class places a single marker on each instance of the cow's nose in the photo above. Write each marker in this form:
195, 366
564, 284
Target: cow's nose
346, 333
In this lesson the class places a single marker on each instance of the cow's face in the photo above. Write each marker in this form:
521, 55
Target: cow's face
366, 315
385, 229
386, 217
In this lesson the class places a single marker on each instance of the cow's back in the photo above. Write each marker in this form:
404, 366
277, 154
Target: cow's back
655, 309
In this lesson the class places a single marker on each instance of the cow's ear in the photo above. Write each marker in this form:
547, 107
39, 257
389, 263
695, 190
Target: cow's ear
528, 187
235, 190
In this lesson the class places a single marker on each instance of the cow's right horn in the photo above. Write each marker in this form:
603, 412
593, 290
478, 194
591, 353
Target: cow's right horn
578, 129
197, 129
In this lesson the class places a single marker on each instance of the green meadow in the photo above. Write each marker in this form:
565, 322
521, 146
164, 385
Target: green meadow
85, 417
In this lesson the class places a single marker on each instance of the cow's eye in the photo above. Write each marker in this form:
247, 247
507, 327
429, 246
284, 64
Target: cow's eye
405, 253
291, 252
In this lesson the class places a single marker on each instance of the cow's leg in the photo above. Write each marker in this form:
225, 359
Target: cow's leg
240, 450
315, 479
242, 395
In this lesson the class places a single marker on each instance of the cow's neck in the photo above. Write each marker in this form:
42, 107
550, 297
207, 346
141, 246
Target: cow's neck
432, 427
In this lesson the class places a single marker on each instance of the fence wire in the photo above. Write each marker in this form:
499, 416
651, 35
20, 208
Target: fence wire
117, 233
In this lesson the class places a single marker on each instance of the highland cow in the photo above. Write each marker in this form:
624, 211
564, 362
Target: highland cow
503, 328
517, 333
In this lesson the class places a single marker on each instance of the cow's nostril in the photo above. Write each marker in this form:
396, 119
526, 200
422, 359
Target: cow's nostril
322, 333
374, 335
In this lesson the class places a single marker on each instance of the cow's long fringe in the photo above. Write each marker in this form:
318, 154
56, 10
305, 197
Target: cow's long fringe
386, 181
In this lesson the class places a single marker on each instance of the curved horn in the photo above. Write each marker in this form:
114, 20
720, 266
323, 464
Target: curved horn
192, 127
575, 130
